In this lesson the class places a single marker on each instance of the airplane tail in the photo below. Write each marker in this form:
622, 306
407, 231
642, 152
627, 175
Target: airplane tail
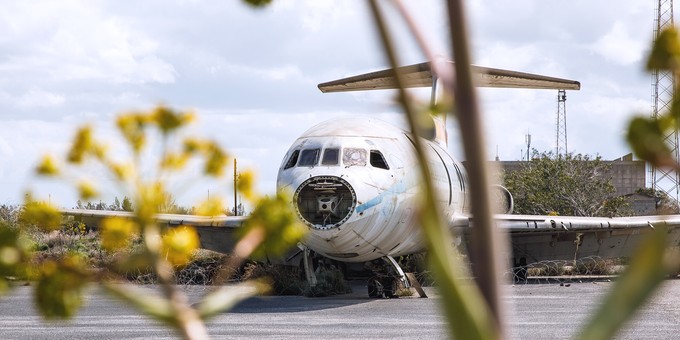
421, 75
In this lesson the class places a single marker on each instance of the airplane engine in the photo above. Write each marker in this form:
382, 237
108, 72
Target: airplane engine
502, 197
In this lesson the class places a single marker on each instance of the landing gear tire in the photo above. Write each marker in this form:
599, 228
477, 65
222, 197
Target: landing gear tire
375, 289
382, 288
390, 288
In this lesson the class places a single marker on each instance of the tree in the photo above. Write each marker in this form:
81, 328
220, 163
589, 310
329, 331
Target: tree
168, 205
565, 185
9, 213
127, 204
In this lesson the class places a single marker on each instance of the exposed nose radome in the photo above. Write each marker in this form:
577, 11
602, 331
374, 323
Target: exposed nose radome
325, 202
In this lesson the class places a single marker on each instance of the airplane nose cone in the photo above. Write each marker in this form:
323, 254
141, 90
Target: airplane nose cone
325, 202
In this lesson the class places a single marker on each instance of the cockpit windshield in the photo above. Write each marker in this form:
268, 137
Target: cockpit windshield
378, 161
330, 157
292, 160
309, 157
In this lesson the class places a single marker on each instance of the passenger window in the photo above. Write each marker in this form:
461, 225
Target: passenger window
309, 157
353, 156
330, 157
378, 161
292, 160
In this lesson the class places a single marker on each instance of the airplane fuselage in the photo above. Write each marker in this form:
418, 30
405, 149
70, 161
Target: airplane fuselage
355, 184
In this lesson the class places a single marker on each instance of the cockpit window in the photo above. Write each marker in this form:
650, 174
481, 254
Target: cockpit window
330, 157
309, 157
354, 156
378, 161
292, 160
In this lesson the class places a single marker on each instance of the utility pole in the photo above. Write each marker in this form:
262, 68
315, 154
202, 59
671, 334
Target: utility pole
235, 186
561, 135
663, 87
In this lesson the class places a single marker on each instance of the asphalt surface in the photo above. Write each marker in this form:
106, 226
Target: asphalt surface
535, 311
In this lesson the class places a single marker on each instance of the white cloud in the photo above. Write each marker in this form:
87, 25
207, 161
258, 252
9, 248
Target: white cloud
618, 46
5, 149
524, 57
263, 73
37, 98
319, 15
79, 41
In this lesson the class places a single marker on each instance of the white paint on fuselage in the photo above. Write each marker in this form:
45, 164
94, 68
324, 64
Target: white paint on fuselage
383, 221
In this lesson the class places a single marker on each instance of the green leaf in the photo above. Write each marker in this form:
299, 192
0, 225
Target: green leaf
40, 214
59, 288
87, 190
257, 3
646, 136
82, 143
271, 229
467, 313
132, 126
178, 245
168, 120
13, 253
665, 54
48, 166
645, 273
117, 232
216, 160
226, 297
149, 304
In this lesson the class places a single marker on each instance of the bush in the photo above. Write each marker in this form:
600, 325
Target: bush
285, 280
330, 281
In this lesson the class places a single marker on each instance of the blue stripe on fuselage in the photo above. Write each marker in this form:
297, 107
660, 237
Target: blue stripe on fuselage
396, 189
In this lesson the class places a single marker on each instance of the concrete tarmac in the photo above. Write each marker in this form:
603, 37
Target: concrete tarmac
535, 311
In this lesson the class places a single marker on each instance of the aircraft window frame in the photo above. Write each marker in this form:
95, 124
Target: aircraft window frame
306, 160
354, 157
292, 160
377, 160
329, 158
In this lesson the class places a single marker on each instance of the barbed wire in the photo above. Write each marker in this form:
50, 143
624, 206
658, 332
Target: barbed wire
590, 268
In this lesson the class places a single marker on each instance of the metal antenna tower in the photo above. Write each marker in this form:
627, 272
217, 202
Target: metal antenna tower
561, 135
527, 139
663, 87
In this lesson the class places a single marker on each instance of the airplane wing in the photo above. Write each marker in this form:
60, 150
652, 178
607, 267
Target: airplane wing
94, 216
420, 75
539, 238
216, 233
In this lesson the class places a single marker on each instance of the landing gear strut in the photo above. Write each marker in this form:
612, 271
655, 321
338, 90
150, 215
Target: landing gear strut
308, 264
386, 279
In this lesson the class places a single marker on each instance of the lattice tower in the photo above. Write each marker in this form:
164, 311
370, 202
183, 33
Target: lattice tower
663, 87
561, 135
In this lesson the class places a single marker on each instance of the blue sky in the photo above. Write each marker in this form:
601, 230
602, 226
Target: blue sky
251, 75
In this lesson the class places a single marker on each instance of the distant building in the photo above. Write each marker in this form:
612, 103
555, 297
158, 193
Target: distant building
628, 176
